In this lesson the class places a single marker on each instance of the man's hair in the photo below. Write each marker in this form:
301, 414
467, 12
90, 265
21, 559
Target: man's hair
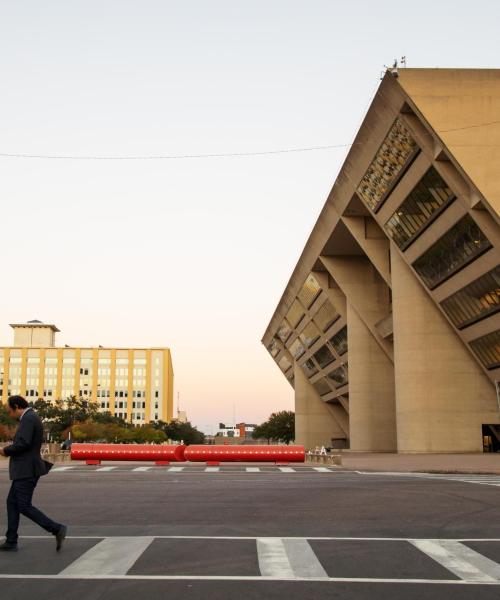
17, 402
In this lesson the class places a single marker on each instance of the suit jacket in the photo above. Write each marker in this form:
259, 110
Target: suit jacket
24, 452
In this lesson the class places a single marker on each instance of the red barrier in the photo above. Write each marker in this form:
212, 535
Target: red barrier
245, 453
144, 452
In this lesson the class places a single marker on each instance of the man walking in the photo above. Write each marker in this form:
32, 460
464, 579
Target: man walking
25, 469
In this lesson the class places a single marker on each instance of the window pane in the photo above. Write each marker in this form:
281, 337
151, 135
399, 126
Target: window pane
309, 368
297, 349
284, 364
395, 152
479, 299
459, 246
295, 314
309, 334
273, 347
339, 377
487, 349
322, 387
326, 316
424, 202
339, 341
324, 356
284, 330
309, 291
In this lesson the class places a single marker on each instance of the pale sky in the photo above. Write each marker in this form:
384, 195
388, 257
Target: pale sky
192, 254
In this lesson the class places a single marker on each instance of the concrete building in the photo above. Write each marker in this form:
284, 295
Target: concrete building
133, 383
240, 430
389, 328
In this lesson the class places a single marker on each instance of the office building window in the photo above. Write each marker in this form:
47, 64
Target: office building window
458, 247
309, 334
322, 387
339, 341
294, 314
284, 330
297, 349
487, 349
393, 156
338, 377
324, 357
420, 208
326, 316
284, 364
273, 347
309, 368
309, 292
479, 299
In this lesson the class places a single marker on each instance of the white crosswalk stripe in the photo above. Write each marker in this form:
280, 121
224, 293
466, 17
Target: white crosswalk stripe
212, 469
55, 469
286, 469
252, 470
175, 469
278, 558
106, 469
322, 469
142, 469
460, 560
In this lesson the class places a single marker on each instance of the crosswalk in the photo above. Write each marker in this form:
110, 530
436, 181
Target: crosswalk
480, 479
327, 559
192, 469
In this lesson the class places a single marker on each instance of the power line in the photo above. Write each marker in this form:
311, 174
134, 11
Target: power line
214, 155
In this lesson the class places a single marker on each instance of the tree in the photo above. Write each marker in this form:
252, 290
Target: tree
7, 424
280, 427
177, 431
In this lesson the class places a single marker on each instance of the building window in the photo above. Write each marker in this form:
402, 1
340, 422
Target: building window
324, 356
322, 387
338, 377
309, 291
309, 334
479, 299
297, 349
424, 203
339, 341
273, 347
157, 394
284, 364
487, 349
295, 314
326, 316
392, 158
458, 247
284, 331
309, 368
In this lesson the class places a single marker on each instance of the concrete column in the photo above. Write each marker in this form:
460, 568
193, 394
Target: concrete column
442, 395
314, 423
372, 418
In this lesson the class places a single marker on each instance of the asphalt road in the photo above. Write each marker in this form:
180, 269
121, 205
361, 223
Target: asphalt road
262, 534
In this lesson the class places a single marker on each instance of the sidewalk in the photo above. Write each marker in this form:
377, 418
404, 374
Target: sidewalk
431, 463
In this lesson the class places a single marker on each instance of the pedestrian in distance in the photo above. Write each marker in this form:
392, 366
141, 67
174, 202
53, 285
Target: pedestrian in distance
26, 466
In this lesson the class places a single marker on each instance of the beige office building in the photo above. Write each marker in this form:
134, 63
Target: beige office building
389, 328
133, 383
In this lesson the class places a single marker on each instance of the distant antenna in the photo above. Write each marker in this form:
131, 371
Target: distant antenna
403, 61
178, 403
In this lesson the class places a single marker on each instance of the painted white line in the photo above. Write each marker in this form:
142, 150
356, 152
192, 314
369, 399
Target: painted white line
106, 469
303, 561
286, 469
273, 558
212, 469
460, 560
175, 469
253, 469
61, 469
322, 469
459, 582
110, 557
142, 469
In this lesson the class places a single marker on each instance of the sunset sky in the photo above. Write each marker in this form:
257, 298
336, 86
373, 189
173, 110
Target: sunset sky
190, 253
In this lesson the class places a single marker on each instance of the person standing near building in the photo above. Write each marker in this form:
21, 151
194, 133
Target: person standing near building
26, 466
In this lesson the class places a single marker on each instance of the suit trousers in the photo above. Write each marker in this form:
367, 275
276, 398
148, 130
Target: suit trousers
19, 503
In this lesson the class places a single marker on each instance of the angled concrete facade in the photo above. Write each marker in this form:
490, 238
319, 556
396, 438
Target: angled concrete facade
389, 328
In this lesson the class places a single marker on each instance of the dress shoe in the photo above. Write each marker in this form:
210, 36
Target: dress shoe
8, 547
60, 536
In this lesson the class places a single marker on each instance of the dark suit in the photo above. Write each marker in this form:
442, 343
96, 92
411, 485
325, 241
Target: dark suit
25, 468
